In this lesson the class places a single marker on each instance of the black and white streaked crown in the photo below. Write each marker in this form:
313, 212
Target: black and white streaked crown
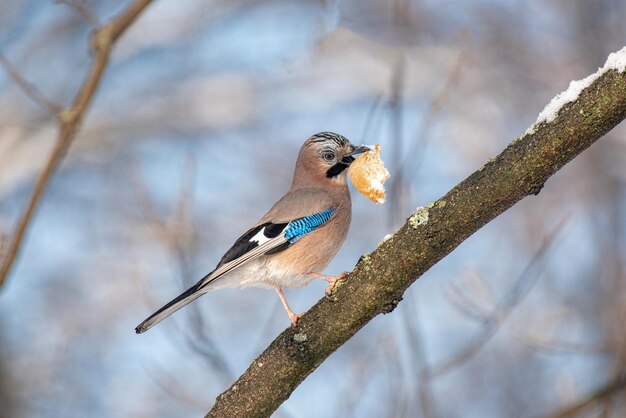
340, 140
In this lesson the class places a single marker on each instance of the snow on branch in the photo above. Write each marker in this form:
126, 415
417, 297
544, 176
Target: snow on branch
615, 61
380, 278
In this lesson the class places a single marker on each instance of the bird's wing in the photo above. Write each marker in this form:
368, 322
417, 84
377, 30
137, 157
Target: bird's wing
265, 239
296, 214
268, 237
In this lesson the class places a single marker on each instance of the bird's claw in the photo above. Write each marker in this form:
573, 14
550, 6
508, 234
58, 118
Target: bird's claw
294, 318
332, 281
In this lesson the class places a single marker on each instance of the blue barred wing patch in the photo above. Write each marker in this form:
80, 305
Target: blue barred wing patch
300, 227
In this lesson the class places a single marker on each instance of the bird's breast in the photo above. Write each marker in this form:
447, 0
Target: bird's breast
314, 251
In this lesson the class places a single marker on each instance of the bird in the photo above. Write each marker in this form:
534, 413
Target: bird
296, 239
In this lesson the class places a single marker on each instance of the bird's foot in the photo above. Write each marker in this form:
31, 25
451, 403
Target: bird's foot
332, 280
294, 318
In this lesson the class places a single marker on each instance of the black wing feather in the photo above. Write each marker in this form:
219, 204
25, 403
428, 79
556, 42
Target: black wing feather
272, 230
280, 248
244, 243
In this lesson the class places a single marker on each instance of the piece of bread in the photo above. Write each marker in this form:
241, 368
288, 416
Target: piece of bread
368, 174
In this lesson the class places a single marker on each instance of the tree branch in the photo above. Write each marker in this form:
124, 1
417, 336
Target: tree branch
82, 9
102, 41
601, 394
31, 91
493, 321
379, 279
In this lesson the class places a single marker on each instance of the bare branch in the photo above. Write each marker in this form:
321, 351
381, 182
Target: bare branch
31, 91
103, 40
82, 9
356, 384
415, 156
501, 312
412, 323
554, 345
177, 238
379, 280
466, 297
601, 395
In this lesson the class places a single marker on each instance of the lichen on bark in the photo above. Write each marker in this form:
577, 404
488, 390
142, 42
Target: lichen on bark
379, 279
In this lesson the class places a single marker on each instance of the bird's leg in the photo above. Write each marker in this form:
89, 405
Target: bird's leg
293, 317
332, 280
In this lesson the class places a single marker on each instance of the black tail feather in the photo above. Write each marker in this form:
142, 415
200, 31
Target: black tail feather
172, 306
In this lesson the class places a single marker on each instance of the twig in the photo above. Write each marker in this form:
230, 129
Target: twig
397, 198
501, 312
31, 91
172, 387
415, 156
427, 402
466, 303
177, 236
102, 41
600, 395
368, 132
357, 383
82, 9
562, 347
399, 390
144, 199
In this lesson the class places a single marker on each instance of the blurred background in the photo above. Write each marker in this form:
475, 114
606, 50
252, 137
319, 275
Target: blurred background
193, 135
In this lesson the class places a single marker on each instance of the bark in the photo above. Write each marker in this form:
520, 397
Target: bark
379, 279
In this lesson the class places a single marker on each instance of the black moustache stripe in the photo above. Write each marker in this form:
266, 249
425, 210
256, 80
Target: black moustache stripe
337, 169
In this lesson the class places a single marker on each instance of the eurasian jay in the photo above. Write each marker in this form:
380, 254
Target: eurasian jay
296, 239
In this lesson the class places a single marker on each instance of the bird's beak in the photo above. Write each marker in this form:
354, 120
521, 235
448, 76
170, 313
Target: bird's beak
359, 150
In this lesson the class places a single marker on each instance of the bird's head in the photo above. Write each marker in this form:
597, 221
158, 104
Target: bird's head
324, 158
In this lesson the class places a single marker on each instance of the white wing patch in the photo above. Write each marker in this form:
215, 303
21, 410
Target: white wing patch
260, 237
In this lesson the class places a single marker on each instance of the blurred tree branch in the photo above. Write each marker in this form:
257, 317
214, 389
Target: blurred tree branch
600, 395
379, 279
83, 9
31, 91
493, 321
103, 40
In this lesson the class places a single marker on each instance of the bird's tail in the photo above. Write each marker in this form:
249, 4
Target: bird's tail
191, 294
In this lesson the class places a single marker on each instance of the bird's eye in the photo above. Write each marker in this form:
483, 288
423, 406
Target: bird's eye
328, 156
